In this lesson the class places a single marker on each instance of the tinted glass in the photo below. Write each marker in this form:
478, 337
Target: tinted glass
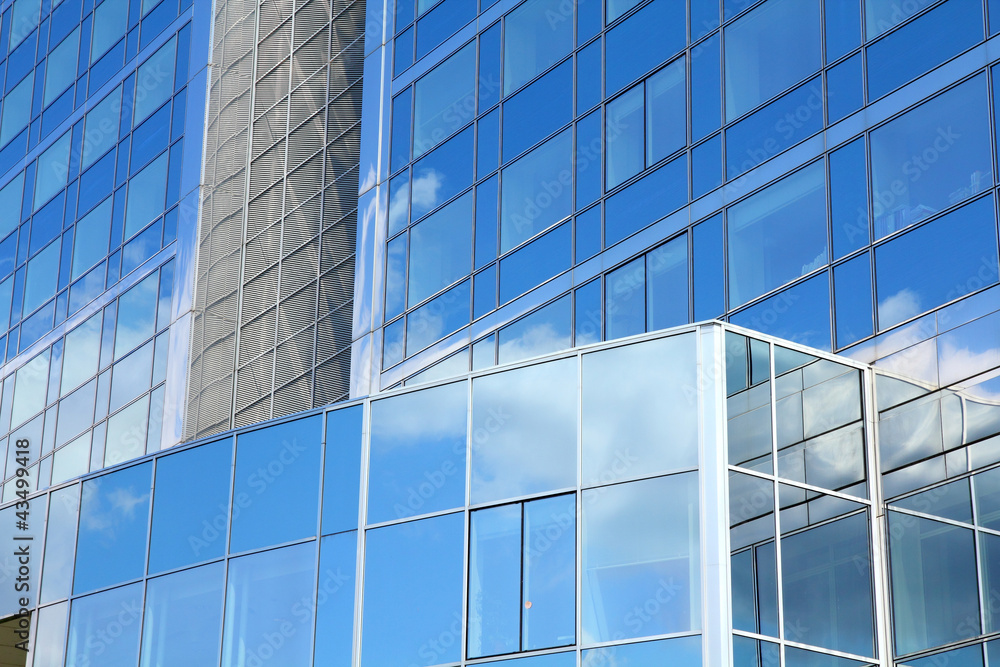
140, 303
92, 616
52, 169
10, 200
761, 228
429, 579
185, 604
439, 317
277, 484
800, 313
156, 78
667, 285
549, 574
342, 476
146, 193
440, 249
666, 111
91, 238
418, 447
40, 278
114, 519
442, 174
538, 110
533, 264
682, 652
536, 191
548, 329
852, 285
191, 507
637, 417
495, 581
101, 129
632, 546
849, 198
550, 40
624, 137
57, 570
642, 41
646, 200
335, 600
450, 87
262, 592
16, 110
767, 50
50, 637
625, 300
935, 263
110, 21
524, 431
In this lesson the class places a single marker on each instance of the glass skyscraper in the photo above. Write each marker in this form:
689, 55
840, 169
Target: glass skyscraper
489, 232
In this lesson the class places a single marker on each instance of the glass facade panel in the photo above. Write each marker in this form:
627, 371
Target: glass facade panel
183, 617
451, 86
91, 617
57, 566
277, 484
543, 176
335, 600
440, 249
154, 82
549, 40
342, 469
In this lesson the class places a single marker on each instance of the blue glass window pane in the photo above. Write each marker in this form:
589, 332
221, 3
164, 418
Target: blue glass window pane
643, 41
150, 138
154, 81
923, 44
848, 198
191, 507
852, 293
401, 129
800, 314
488, 144
544, 25
843, 27
428, 579
6, 293
147, 192
102, 125
438, 317
393, 344
24, 19
588, 77
524, 431
445, 100
667, 285
417, 466
538, 110
767, 588
769, 131
185, 604
395, 276
495, 581
680, 652
994, 16
549, 573
708, 269
666, 111
588, 234
262, 592
883, 15
588, 159
845, 90
935, 594
342, 469
110, 21
772, 47
441, 22
797, 657
40, 278
935, 263
440, 249
92, 616
16, 110
114, 519
744, 605
536, 191
53, 166
624, 137
60, 67
50, 636
704, 17
548, 329
587, 313
402, 52
969, 656
706, 87
277, 484
10, 200
646, 201
931, 157
706, 166
404, 12
762, 254
486, 222
140, 303
399, 203
625, 300
489, 67
535, 263
484, 290
827, 604
335, 613
442, 174
622, 568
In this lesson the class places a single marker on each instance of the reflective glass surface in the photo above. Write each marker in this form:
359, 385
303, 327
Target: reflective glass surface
444, 100
155, 81
550, 40
335, 600
535, 191
114, 520
428, 579
524, 431
641, 42
418, 444
91, 620
632, 545
342, 469
183, 617
263, 593
538, 110
440, 249
442, 174
683, 652
191, 507
57, 570
637, 416
276, 484
50, 637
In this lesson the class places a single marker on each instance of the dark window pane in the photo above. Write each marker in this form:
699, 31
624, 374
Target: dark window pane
401, 118
800, 314
706, 86
588, 77
538, 110
428, 579
708, 269
114, 519
642, 41
530, 266
845, 90
277, 484
843, 27
489, 67
848, 198
191, 506
543, 25
441, 22
488, 144
852, 290
417, 465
